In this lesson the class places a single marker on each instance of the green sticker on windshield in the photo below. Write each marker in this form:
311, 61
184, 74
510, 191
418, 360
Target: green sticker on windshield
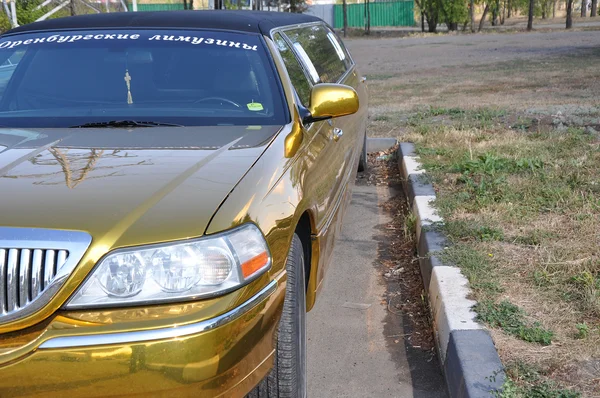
255, 106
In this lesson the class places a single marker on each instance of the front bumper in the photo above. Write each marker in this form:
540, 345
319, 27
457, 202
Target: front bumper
222, 356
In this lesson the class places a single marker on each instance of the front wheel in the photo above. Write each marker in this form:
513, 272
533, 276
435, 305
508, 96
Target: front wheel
288, 376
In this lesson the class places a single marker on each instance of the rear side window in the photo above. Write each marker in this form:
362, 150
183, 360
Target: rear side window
294, 69
324, 50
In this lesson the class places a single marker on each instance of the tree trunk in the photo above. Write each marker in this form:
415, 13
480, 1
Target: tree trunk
452, 26
72, 7
368, 18
594, 11
482, 21
345, 11
432, 25
503, 14
569, 14
509, 9
422, 22
583, 8
530, 16
543, 12
472, 16
553, 9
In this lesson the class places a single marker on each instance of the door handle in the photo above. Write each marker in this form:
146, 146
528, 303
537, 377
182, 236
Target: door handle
337, 134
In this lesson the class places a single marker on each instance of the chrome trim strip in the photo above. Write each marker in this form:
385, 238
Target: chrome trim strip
164, 333
36, 273
49, 267
12, 291
62, 257
2, 281
24, 277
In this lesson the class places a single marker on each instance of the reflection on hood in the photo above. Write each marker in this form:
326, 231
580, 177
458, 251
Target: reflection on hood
125, 183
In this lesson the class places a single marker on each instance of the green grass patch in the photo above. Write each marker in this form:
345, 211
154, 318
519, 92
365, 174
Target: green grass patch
525, 381
476, 266
380, 76
512, 319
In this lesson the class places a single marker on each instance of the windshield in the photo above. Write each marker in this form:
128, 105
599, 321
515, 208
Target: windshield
188, 78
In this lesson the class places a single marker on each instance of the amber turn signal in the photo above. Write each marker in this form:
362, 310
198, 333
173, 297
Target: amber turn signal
255, 264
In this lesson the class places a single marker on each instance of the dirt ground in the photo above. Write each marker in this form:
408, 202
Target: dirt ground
532, 73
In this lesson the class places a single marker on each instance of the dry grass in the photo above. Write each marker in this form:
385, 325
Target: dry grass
518, 183
536, 228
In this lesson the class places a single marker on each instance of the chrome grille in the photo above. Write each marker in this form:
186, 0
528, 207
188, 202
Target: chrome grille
34, 264
25, 273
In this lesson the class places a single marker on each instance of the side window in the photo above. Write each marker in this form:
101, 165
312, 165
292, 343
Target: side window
340, 49
323, 48
294, 69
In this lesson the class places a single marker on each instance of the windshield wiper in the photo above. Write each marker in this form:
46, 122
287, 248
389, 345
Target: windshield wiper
125, 123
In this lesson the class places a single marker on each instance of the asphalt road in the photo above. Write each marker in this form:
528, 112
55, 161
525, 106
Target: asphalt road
348, 353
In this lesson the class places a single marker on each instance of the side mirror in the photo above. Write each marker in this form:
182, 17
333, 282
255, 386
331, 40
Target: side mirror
331, 100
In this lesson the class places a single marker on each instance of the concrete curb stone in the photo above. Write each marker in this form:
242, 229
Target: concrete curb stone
470, 362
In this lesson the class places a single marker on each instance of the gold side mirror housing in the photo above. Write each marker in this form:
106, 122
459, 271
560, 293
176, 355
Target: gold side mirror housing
331, 100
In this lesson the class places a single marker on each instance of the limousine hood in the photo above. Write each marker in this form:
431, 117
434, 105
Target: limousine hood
124, 186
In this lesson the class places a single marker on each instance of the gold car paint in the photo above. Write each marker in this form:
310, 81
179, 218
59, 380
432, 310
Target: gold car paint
160, 217
329, 100
227, 361
274, 193
317, 180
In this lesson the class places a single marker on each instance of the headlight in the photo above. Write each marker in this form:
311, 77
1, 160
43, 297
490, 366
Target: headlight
176, 272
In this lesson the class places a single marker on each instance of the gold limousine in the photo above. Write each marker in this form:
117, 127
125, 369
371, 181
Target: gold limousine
171, 187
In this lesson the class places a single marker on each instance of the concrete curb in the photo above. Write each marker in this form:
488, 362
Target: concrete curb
469, 359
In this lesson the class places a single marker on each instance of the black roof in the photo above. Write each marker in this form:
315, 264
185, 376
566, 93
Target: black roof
237, 20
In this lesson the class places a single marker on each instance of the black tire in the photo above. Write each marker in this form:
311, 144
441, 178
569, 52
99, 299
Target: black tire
362, 163
288, 376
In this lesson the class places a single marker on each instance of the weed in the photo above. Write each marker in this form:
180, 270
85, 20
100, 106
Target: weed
534, 238
380, 77
525, 381
466, 229
583, 330
410, 225
381, 118
511, 319
586, 290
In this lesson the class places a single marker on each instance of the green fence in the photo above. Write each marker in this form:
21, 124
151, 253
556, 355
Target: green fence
398, 13
157, 6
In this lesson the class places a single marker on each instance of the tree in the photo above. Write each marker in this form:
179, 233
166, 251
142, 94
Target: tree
569, 14
472, 15
345, 11
495, 10
486, 9
297, 6
594, 9
530, 15
367, 17
454, 12
583, 8
431, 10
